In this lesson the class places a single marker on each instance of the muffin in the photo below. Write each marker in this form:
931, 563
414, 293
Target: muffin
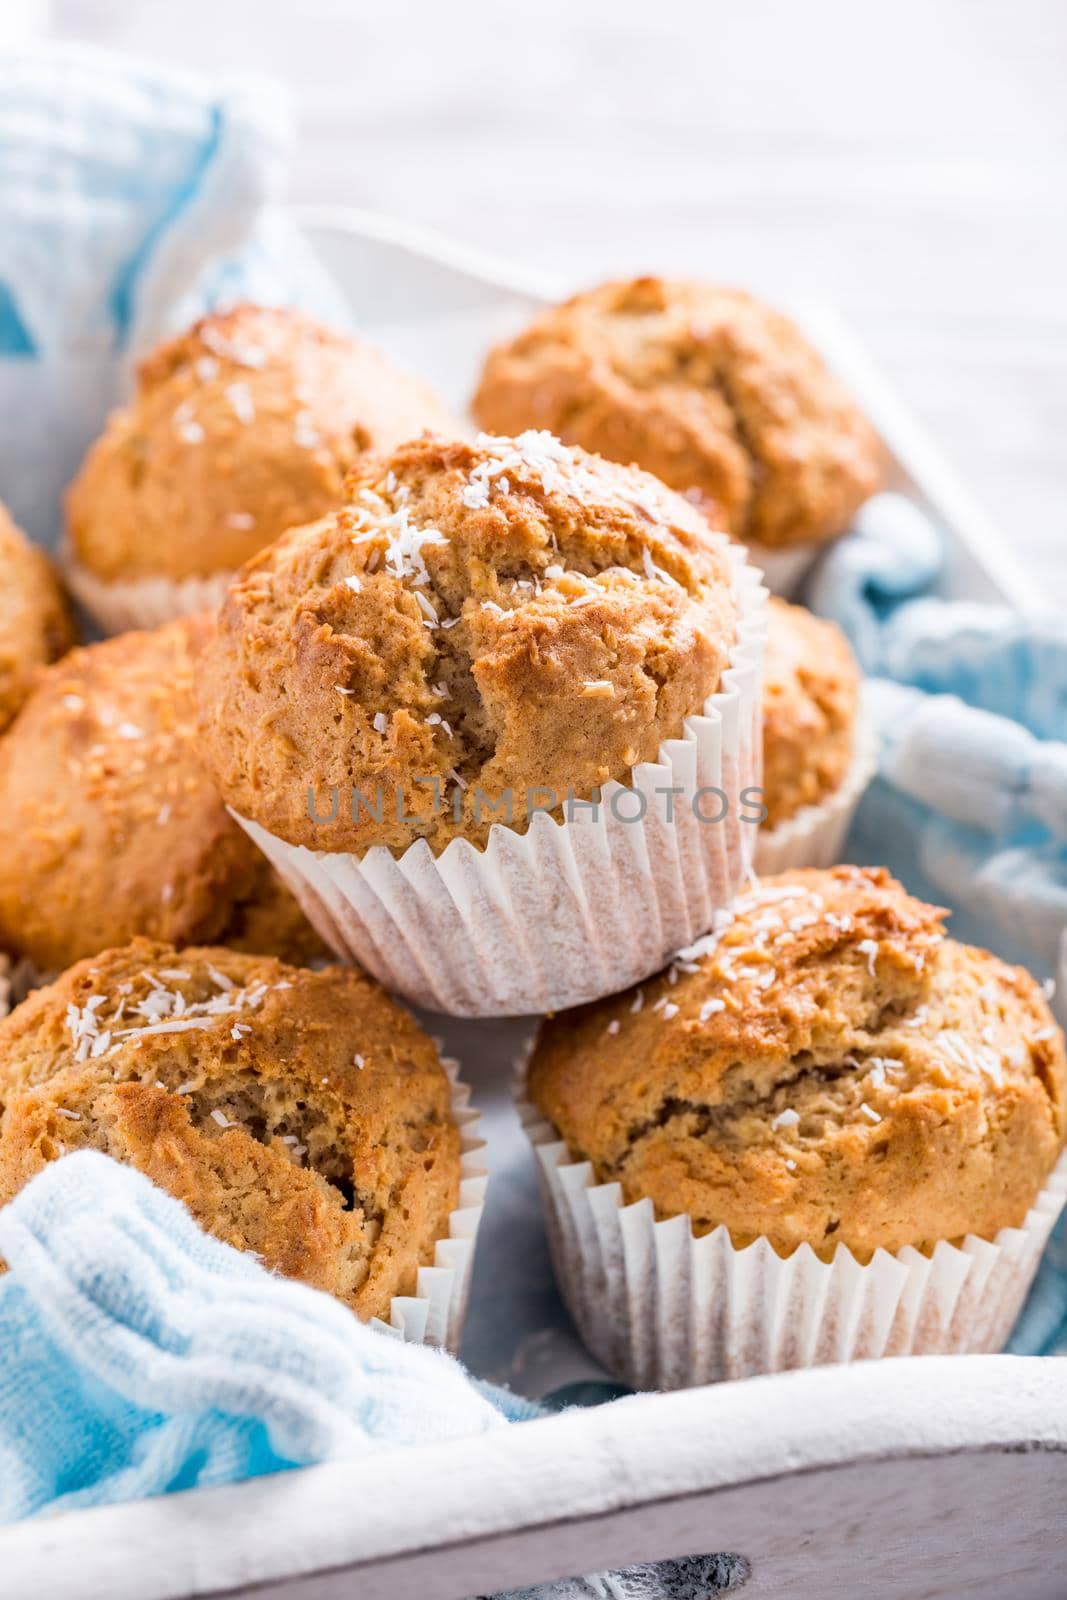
827, 1131
720, 396
817, 756
414, 705
109, 823
301, 1115
241, 428
35, 623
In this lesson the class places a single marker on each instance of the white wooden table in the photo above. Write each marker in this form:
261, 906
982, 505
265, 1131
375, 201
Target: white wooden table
904, 161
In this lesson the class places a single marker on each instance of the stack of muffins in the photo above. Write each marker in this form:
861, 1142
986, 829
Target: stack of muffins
503, 724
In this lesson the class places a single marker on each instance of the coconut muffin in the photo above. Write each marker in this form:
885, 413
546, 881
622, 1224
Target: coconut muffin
716, 393
494, 618
300, 1115
413, 706
35, 622
827, 1068
811, 686
109, 824
239, 429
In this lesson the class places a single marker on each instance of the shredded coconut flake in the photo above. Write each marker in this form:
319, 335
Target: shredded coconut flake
240, 397
405, 542
869, 948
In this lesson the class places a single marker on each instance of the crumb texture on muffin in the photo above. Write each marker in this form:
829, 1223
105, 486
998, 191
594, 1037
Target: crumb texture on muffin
810, 697
482, 620
825, 1067
240, 428
708, 388
109, 823
301, 1115
35, 620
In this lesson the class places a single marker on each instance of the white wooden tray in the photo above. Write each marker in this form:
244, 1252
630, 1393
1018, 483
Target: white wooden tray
928, 1477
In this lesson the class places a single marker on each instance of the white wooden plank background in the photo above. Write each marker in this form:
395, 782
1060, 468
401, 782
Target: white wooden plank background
904, 160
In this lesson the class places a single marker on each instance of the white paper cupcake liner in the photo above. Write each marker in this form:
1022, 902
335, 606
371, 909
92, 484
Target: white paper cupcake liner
567, 911
435, 1313
815, 835
784, 570
663, 1309
142, 602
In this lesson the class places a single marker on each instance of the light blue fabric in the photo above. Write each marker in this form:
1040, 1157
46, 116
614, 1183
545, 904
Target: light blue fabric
131, 199
970, 804
971, 703
138, 1355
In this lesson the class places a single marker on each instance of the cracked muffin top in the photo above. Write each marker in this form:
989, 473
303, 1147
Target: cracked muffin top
240, 428
482, 621
716, 393
109, 824
811, 686
35, 621
301, 1115
825, 1067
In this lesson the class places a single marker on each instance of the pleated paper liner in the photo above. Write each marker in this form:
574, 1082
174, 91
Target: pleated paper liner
663, 1309
815, 835
567, 911
435, 1313
122, 605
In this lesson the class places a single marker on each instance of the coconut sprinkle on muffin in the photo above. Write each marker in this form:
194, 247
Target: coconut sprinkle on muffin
232, 1082
829, 1132
482, 619
240, 428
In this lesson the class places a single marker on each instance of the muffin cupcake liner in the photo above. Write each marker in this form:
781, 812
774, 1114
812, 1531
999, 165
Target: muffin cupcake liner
663, 1309
567, 911
814, 836
142, 602
785, 569
435, 1313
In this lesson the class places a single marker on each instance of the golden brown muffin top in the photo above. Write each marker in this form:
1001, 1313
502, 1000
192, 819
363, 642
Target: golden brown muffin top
713, 391
301, 1115
35, 620
811, 686
109, 824
482, 620
826, 1067
241, 428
